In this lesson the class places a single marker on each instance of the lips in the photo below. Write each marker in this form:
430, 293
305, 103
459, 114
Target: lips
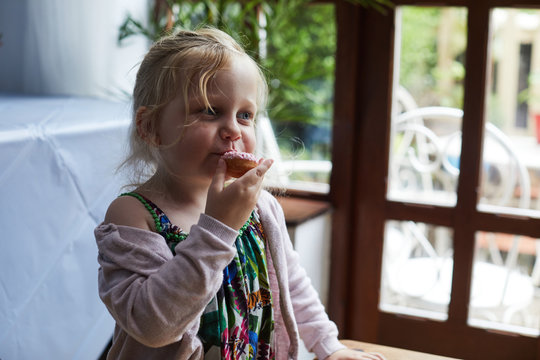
221, 153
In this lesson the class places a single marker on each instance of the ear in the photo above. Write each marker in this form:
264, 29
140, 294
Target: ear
144, 127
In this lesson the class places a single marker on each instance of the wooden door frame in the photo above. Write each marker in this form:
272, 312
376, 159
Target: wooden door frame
358, 192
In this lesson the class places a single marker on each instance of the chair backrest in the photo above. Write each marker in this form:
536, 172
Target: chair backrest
427, 159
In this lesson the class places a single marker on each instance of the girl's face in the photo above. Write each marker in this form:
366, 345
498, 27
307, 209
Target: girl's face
207, 134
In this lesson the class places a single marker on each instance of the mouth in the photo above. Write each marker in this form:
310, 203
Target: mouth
226, 151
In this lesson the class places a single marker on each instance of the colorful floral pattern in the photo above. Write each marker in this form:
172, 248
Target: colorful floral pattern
239, 321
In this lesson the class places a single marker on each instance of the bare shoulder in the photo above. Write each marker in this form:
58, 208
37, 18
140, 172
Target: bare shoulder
128, 211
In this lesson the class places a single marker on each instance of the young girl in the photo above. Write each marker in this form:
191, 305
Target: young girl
192, 267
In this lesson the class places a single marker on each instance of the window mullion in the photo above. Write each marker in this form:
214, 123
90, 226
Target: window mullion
471, 157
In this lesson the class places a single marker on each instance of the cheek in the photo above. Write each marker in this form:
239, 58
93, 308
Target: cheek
250, 142
199, 136
170, 135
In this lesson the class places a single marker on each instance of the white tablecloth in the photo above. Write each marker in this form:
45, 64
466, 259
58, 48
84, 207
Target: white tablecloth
57, 161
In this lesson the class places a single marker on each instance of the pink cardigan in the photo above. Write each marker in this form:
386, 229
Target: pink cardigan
157, 299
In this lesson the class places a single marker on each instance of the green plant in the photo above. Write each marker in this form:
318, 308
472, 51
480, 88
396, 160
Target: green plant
428, 81
292, 40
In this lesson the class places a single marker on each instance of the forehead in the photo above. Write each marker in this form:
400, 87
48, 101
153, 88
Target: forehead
239, 72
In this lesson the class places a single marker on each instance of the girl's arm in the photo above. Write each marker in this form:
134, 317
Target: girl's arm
152, 295
316, 330
319, 333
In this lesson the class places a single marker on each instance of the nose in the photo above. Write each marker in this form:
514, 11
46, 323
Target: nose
230, 129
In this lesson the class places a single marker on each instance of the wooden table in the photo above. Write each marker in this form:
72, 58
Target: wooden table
392, 353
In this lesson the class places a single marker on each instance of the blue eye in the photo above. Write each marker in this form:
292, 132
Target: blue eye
244, 115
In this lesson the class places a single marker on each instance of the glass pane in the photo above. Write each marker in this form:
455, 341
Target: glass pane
506, 275
511, 166
300, 59
417, 269
427, 111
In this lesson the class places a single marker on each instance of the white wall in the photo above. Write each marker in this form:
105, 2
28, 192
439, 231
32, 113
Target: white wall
312, 241
68, 47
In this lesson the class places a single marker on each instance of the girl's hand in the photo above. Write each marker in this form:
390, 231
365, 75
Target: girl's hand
233, 204
350, 354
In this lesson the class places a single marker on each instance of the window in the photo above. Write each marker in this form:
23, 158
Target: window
428, 104
424, 167
300, 58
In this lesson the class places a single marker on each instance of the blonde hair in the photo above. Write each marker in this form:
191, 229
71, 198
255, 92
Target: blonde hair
183, 62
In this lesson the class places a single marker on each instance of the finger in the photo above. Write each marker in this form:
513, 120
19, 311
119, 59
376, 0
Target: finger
256, 175
375, 356
263, 167
218, 180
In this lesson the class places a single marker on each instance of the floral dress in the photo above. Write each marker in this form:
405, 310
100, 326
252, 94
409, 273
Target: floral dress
238, 323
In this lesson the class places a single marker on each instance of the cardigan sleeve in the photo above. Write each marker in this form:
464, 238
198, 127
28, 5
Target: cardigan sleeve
152, 295
319, 333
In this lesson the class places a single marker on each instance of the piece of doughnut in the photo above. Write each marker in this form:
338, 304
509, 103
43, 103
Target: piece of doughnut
238, 163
